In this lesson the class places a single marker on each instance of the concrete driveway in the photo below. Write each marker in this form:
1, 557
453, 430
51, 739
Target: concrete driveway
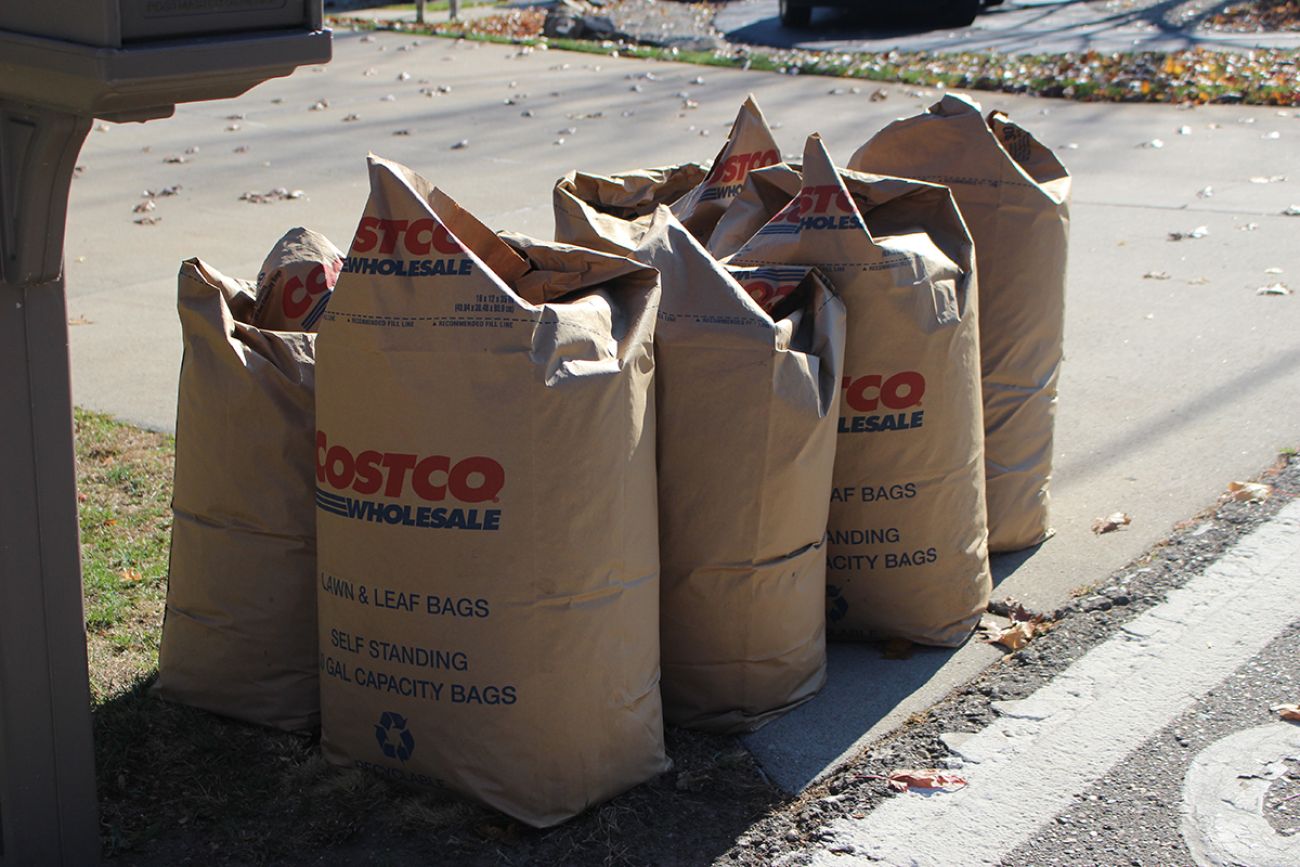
1174, 384
1016, 27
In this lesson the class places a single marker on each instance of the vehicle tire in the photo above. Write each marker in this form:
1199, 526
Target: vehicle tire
793, 15
959, 13
993, 2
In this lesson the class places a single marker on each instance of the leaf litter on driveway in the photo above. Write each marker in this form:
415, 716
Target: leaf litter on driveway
1112, 522
279, 194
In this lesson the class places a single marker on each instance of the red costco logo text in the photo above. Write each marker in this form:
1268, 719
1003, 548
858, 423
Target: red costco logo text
474, 479
418, 237
735, 167
299, 295
817, 200
900, 391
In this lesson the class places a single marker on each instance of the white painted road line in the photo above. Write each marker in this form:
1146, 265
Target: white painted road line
1223, 799
1027, 766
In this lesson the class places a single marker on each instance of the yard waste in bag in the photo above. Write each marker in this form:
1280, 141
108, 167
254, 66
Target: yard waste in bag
489, 563
698, 198
1014, 195
907, 551
239, 634
747, 367
294, 284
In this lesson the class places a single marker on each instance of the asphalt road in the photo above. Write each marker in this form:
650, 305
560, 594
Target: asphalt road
1171, 388
1016, 27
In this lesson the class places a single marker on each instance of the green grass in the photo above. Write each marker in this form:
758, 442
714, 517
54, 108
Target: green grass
124, 477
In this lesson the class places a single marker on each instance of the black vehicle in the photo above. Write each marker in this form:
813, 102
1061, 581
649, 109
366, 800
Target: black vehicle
949, 13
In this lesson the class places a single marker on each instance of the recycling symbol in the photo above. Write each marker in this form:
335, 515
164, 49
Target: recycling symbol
836, 605
395, 741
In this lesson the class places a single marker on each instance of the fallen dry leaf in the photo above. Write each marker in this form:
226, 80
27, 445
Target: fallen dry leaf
130, 574
144, 207
1025, 625
930, 778
1249, 492
1290, 712
1017, 635
277, 195
1156, 275
1273, 289
148, 221
1111, 523
80, 319
1198, 232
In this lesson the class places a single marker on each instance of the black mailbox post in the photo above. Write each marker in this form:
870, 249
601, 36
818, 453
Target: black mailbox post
62, 64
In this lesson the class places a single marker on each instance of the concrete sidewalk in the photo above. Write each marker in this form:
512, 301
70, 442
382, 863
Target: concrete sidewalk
1172, 387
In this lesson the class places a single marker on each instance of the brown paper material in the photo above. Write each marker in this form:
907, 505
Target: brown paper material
747, 407
1014, 195
295, 281
489, 569
907, 531
239, 635
632, 194
698, 199
749, 146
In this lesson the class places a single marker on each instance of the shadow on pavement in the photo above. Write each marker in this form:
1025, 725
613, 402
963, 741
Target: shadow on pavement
864, 690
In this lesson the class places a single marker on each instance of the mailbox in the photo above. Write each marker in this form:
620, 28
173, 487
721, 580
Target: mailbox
63, 63
135, 59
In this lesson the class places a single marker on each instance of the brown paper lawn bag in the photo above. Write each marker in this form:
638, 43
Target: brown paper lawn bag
747, 407
239, 634
1014, 195
907, 554
489, 565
